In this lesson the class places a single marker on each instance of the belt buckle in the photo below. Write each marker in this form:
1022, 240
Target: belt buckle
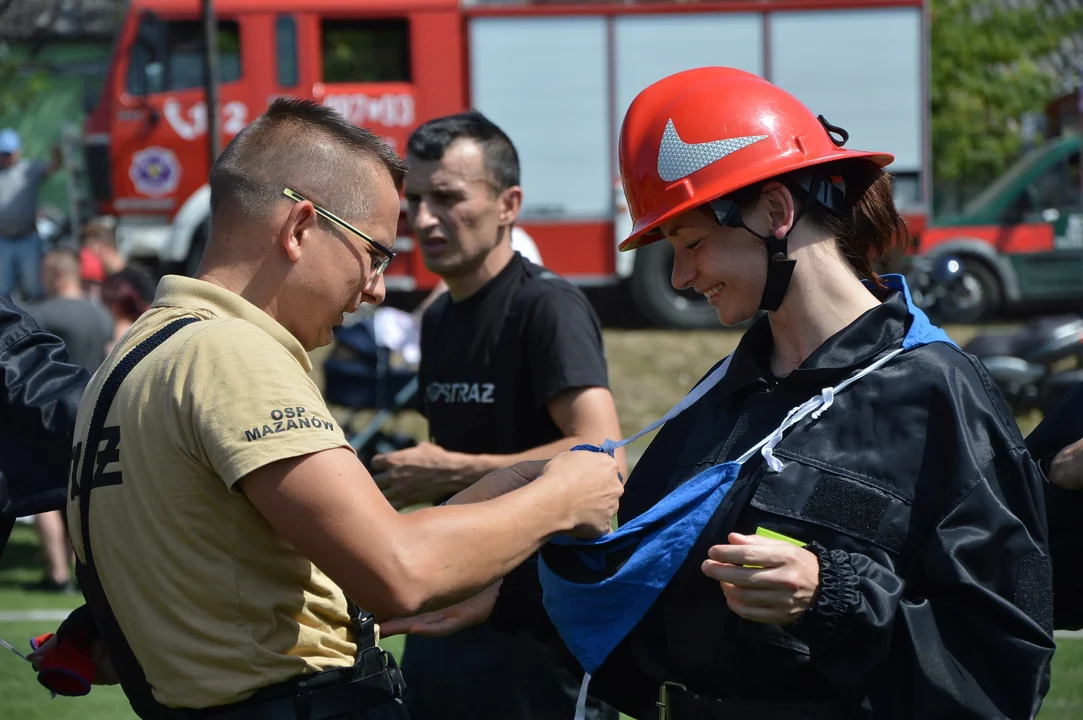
663, 697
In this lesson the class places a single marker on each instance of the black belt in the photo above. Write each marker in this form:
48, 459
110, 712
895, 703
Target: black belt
373, 681
676, 702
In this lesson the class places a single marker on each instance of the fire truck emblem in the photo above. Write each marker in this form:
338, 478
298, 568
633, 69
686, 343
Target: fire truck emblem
155, 171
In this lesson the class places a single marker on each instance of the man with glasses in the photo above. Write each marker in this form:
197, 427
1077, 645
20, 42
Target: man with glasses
216, 509
512, 368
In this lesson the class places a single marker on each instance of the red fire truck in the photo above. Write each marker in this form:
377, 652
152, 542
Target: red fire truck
556, 77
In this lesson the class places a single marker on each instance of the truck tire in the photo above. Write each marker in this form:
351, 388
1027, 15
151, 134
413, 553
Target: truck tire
656, 299
977, 298
195, 251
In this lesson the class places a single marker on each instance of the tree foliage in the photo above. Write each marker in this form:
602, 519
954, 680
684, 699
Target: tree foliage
990, 66
18, 88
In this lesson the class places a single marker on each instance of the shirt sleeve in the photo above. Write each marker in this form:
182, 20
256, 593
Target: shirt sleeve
563, 343
249, 401
37, 171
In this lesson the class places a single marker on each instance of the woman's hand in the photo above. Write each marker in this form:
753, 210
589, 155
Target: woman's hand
776, 592
443, 622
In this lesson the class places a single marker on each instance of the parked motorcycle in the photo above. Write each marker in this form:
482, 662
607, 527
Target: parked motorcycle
941, 288
1036, 366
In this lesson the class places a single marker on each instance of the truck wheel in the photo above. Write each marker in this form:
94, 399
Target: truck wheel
655, 298
974, 297
195, 252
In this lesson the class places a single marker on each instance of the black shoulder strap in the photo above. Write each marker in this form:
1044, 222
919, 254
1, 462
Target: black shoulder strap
132, 678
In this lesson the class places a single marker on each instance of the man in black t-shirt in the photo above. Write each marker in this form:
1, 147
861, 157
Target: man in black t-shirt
512, 368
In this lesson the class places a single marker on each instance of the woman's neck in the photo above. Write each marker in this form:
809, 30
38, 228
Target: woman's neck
824, 297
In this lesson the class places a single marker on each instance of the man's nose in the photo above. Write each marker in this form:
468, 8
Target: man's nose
423, 217
375, 293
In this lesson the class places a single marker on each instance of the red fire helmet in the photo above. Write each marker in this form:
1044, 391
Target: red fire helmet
700, 134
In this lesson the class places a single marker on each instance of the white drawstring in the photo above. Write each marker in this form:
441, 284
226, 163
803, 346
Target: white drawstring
581, 703
828, 395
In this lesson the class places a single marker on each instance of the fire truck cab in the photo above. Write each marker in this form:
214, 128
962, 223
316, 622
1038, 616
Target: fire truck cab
556, 77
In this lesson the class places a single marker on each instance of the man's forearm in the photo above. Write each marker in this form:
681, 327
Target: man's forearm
472, 468
454, 552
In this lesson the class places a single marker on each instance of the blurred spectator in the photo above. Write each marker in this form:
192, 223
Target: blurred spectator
127, 294
20, 246
66, 312
99, 237
85, 329
98, 254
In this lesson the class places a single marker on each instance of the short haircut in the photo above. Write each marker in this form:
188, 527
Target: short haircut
307, 147
431, 139
63, 261
99, 229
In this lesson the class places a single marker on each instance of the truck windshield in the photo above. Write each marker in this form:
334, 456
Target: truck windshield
1012, 177
184, 66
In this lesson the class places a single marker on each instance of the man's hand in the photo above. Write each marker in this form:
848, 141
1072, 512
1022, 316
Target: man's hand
500, 482
1066, 469
591, 487
418, 475
451, 619
56, 160
104, 674
776, 592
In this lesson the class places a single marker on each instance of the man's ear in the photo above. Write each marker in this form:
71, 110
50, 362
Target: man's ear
778, 202
298, 229
511, 202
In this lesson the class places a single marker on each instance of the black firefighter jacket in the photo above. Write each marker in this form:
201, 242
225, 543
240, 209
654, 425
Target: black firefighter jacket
38, 402
925, 509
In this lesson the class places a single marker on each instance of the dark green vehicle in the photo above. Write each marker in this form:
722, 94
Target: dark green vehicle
1020, 240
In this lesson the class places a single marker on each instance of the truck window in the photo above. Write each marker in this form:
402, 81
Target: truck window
365, 51
286, 50
1058, 188
184, 62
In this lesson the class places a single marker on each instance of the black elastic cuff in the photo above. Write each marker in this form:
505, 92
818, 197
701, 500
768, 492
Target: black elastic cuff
834, 602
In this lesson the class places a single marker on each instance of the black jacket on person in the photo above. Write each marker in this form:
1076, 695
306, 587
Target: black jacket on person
923, 505
38, 402
1059, 429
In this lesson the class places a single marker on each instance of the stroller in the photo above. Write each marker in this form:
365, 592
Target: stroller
359, 375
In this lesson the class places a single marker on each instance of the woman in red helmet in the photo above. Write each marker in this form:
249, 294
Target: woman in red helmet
841, 519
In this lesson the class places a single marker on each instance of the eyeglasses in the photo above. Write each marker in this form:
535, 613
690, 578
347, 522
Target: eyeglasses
388, 254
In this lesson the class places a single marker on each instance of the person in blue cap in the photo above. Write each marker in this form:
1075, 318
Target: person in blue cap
20, 247
841, 519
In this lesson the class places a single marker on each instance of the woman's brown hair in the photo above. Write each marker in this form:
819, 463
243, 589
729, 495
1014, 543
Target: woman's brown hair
867, 225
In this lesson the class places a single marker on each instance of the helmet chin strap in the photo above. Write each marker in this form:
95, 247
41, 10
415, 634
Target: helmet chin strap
779, 266
779, 271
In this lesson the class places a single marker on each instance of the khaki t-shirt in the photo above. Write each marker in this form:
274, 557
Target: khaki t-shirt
214, 603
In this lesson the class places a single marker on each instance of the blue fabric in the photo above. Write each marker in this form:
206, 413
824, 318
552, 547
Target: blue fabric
922, 331
593, 618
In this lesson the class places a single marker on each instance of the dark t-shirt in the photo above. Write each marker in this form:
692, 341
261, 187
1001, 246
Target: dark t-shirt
491, 363
84, 327
489, 366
